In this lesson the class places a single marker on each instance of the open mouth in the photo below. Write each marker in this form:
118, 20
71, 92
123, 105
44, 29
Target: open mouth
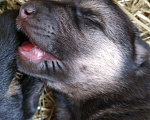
34, 54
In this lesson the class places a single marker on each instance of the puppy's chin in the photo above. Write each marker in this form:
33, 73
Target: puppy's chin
40, 70
33, 61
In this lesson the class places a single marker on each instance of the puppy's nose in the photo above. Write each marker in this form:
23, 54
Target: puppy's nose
25, 12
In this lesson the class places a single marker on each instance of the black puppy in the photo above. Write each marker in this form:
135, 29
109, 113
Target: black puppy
18, 96
91, 56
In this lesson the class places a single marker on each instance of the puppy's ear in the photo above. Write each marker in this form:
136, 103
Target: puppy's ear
142, 51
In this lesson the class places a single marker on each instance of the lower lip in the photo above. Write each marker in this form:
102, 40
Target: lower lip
35, 55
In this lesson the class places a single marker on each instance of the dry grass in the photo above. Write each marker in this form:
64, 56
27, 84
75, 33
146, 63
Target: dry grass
46, 106
137, 10
139, 13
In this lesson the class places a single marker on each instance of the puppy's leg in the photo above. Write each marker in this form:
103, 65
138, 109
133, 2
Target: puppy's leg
32, 88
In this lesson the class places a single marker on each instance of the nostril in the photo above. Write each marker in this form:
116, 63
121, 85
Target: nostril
27, 12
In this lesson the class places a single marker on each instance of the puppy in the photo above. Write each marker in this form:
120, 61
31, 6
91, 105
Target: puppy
90, 54
19, 94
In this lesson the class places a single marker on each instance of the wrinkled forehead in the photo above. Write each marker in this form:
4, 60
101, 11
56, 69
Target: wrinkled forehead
75, 2
92, 5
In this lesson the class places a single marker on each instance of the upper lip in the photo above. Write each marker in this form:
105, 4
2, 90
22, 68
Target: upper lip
31, 39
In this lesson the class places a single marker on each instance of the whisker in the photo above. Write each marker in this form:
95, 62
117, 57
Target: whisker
47, 68
53, 63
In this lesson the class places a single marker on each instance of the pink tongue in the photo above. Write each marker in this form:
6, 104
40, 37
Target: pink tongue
33, 50
26, 46
33, 53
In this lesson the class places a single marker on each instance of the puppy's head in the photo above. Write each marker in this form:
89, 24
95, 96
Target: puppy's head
84, 43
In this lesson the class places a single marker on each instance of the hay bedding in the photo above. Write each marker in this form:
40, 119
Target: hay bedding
137, 10
139, 13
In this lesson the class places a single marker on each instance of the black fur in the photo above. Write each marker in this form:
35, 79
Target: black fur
19, 94
103, 67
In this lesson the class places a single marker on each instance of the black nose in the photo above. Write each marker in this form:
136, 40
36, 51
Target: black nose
25, 12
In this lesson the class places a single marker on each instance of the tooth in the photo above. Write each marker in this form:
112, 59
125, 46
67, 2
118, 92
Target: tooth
39, 54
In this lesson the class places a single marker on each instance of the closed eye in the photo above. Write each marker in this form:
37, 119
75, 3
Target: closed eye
89, 16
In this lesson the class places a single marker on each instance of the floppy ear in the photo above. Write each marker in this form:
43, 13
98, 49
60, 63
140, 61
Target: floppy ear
142, 51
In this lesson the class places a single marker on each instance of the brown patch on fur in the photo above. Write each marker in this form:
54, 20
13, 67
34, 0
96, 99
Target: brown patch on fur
14, 85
